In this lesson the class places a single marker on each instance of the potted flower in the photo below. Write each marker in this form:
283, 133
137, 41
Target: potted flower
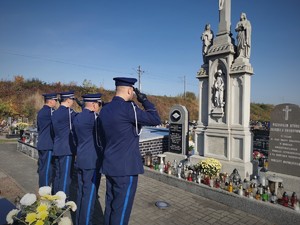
42, 209
210, 167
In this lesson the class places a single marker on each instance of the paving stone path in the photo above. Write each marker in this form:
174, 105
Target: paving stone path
18, 173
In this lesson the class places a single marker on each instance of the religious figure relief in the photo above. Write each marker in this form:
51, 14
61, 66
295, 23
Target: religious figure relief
207, 37
218, 90
243, 28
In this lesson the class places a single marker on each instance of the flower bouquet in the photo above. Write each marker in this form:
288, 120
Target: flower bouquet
46, 209
191, 147
257, 155
260, 157
210, 167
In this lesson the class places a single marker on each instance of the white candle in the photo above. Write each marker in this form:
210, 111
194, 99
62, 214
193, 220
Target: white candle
296, 207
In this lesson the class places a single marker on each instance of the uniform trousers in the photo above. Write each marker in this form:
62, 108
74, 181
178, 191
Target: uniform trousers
55, 176
120, 192
87, 194
63, 173
45, 167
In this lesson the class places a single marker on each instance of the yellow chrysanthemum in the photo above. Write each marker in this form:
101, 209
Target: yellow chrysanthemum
210, 166
49, 197
39, 222
42, 215
30, 218
42, 207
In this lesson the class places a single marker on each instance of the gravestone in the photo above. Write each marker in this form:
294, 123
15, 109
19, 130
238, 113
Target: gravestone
178, 129
284, 151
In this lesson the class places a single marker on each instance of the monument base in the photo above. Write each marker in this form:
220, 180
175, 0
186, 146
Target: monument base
244, 169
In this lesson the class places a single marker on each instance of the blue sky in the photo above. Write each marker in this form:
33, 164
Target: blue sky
73, 40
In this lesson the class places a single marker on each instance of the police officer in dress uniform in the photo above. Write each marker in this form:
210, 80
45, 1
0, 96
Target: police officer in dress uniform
64, 143
89, 156
120, 122
45, 139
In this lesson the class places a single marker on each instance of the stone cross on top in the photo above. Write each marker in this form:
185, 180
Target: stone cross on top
224, 16
286, 112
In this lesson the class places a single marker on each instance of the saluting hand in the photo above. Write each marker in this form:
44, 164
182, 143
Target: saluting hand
141, 97
80, 103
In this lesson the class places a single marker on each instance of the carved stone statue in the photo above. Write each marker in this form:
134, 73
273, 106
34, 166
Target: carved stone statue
243, 28
218, 90
207, 37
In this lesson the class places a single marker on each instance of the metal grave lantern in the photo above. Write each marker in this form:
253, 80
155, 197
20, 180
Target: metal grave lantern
274, 183
235, 177
148, 159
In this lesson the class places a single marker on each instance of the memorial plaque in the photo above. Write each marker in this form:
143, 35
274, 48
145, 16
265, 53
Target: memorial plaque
175, 137
178, 129
284, 148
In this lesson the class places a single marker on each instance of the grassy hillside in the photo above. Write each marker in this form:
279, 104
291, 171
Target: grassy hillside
23, 98
260, 112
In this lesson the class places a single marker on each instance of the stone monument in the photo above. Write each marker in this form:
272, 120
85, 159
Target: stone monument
284, 150
223, 130
284, 153
178, 129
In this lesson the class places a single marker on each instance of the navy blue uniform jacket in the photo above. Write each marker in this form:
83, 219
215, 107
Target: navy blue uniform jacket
63, 138
44, 128
88, 148
122, 156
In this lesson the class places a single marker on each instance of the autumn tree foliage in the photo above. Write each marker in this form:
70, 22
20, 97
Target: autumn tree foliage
23, 98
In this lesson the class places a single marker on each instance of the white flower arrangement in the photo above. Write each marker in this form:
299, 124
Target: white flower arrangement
10, 216
191, 145
45, 209
61, 201
46, 190
210, 167
28, 199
